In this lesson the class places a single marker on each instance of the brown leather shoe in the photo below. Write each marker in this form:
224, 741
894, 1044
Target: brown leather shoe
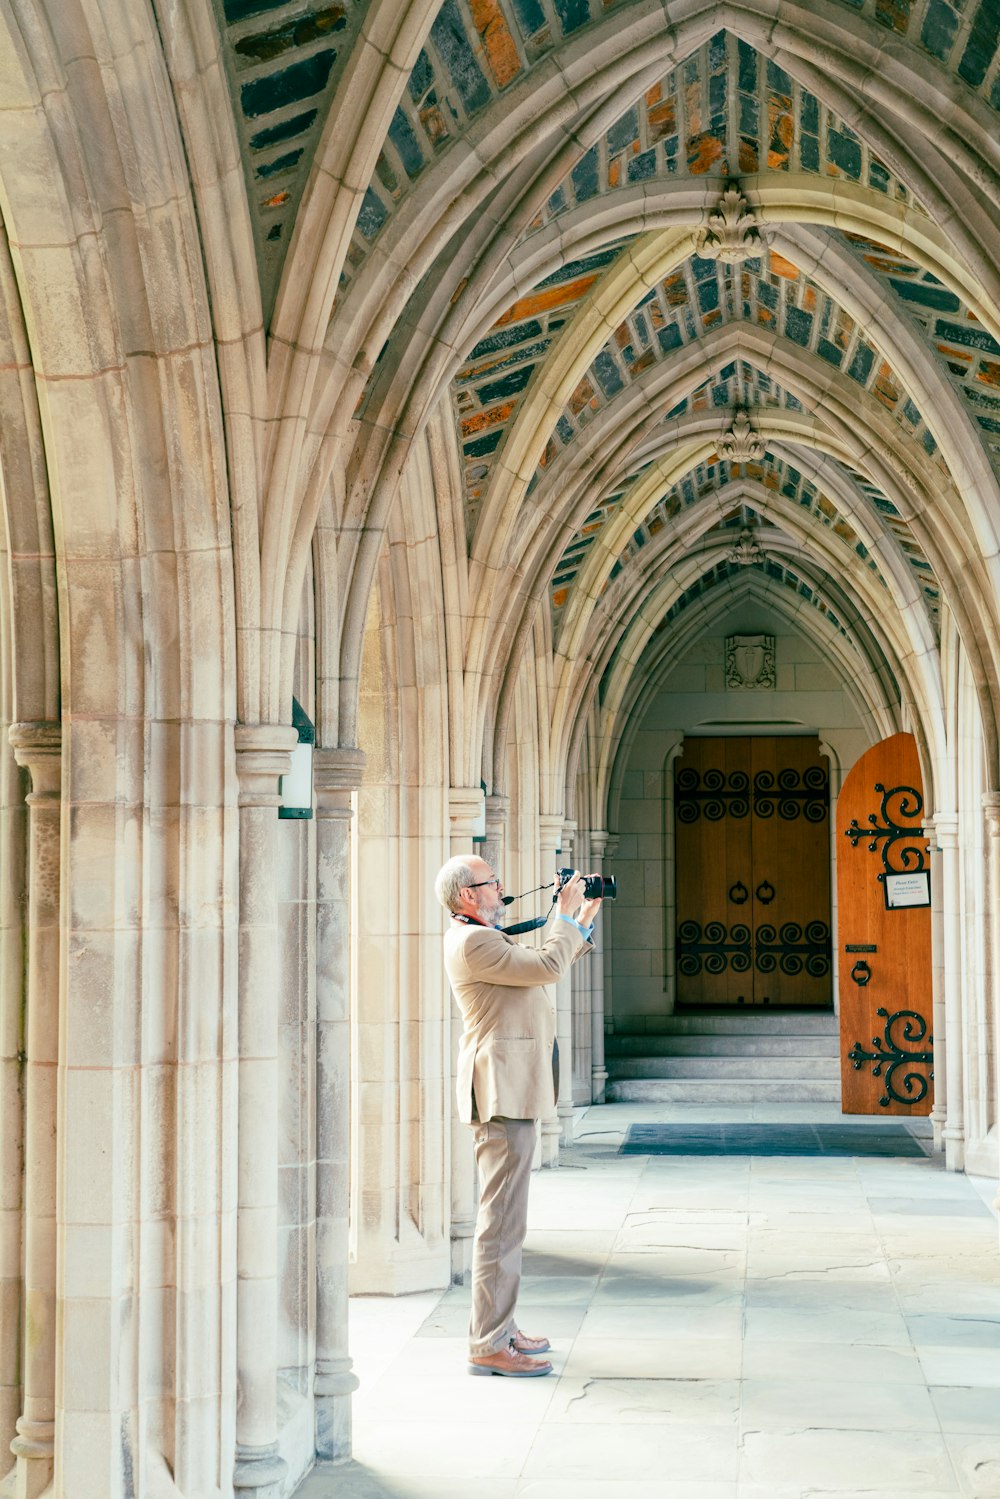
526, 1344
508, 1361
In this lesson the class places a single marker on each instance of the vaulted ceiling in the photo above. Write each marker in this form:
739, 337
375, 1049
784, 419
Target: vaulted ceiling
725, 294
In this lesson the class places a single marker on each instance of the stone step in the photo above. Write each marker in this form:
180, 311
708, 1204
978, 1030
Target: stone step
726, 1090
710, 1069
723, 1046
744, 1022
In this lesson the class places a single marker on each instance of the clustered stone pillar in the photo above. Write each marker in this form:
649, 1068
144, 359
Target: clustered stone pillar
336, 774
938, 1025
953, 1134
991, 809
38, 749
465, 805
564, 1023
599, 1073
263, 754
550, 842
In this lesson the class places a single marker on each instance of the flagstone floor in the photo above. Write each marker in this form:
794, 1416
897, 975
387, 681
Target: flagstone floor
724, 1327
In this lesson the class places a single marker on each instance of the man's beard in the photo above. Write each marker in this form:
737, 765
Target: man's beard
491, 910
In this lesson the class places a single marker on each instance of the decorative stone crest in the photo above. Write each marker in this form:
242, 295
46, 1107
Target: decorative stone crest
750, 662
734, 231
746, 550
742, 443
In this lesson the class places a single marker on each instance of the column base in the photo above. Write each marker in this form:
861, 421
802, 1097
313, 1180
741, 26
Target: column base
549, 1135
565, 1124
954, 1148
333, 1388
937, 1122
461, 1258
259, 1471
598, 1084
34, 1448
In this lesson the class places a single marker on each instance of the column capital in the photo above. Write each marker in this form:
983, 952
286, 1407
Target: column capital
337, 772
37, 749
991, 811
263, 755
599, 840
465, 805
550, 826
497, 810
942, 829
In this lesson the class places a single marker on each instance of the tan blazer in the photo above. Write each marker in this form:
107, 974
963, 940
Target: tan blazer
505, 1054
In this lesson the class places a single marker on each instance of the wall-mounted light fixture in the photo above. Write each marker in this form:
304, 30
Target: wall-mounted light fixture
297, 785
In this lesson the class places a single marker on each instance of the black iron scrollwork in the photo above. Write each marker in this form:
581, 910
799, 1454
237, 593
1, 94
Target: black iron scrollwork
792, 795
765, 892
713, 795
890, 1055
793, 948
901, 847
861, 973
738, 893
713, 949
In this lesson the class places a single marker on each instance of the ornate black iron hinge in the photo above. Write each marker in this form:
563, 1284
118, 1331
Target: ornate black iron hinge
890, 1056
899, 839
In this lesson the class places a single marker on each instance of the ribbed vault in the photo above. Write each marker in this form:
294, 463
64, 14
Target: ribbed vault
493, 216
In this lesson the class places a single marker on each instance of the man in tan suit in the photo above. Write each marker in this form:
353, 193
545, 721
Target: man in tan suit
506, 1080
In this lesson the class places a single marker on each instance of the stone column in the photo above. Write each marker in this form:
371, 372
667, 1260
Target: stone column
336, 774
582, 984
550, 837
938, 1028
564, 1022
464, 807
673, 754
494, 850
599, 842
263, 754
991, 809
37, 747
13, 874
953, 1134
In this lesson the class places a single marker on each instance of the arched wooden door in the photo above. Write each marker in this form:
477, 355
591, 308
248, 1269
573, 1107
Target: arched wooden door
884, 929
752, 833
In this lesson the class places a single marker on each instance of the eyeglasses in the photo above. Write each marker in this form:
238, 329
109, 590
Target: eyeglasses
476, 883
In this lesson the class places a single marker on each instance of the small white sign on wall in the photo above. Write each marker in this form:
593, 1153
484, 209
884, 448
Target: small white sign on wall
903, 890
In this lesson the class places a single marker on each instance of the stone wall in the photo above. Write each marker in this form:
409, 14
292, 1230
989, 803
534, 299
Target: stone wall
808, 697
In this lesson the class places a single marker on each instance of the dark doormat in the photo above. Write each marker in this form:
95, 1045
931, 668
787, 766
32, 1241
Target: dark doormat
876, 1139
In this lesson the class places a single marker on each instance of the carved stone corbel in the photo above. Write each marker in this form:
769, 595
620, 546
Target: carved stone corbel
734, 232
742, 443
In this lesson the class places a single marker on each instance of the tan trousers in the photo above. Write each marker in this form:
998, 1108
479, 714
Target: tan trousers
504, 1152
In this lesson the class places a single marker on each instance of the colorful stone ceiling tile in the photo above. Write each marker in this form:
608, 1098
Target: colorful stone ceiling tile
965, 351
724, 111
487, 390
284, 64
774, 474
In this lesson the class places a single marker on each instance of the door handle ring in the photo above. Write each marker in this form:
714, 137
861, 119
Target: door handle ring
861, 973
765, 892
738, 893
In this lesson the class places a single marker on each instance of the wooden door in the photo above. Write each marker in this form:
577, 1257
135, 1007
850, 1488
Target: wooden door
753, 872
886, 1046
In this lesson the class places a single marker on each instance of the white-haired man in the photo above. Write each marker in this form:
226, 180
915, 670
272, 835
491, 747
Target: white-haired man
506, 1080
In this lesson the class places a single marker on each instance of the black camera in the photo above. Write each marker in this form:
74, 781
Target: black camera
595, 886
